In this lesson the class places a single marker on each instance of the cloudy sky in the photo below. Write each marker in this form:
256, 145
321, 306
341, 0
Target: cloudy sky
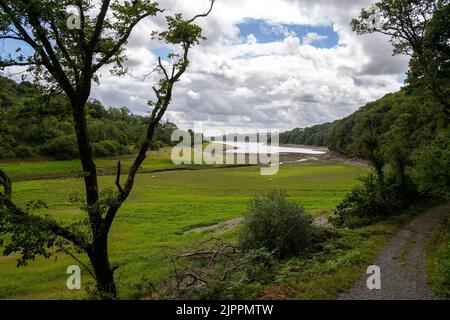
272, 64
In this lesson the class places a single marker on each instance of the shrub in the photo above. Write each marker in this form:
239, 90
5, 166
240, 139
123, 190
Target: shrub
258, 266
107, 148
23, 152
277, 225
63, 147
361, 206
432, 165
374, 200
156, 145
6, 153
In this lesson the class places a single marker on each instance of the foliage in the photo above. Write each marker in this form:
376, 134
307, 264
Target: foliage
35, 123
23, 152
438, 258
62, 148
258, 266
277, 225
431, 170
363, 205
107, 148
33, 235
430, 67
404, 21
316, 135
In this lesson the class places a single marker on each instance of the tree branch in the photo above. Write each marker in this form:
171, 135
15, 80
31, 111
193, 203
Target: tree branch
46, 224
7, 184
119, 43
99, 25
204, 14
118, 172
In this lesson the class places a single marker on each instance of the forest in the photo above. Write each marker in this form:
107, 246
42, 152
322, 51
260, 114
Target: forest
38, 123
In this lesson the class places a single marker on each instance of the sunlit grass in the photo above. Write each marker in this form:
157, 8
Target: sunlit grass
161, 207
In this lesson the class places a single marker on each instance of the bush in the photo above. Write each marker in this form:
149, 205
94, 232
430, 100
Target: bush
374, 201
361, 206
107, 148
63, 147
6, 153
23, 152
432, 164
277, 225
258, 266
156, 145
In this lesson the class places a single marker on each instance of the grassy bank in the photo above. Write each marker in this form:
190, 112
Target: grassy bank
438, 259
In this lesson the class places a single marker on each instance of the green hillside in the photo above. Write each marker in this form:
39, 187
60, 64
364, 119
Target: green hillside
34, 122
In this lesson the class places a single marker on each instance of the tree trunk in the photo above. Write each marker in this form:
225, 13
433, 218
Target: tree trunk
98, 253
104, 272
87, 159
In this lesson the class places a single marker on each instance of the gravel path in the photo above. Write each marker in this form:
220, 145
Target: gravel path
402, 263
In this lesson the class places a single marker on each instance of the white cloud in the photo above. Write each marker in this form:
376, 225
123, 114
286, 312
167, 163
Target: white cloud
194, 95
251, 39
312, 37
243, 92
236, 82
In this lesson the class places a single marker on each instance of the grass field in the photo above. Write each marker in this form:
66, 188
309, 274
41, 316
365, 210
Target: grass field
161, 208
38, 169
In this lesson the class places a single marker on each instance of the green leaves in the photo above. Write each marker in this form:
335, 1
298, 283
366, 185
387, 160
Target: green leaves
403, 20
70, 55
180, 31
32, 236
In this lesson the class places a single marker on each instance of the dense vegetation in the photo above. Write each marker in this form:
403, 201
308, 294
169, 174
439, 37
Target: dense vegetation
276, 225
33, 122
404, 135
313, 136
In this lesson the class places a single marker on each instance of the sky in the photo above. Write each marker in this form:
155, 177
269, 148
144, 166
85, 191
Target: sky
266, 64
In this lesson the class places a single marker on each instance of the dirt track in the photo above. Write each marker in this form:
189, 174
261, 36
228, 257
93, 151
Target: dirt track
402, 263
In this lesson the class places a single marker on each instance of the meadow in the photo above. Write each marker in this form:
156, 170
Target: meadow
155, 220
46, 168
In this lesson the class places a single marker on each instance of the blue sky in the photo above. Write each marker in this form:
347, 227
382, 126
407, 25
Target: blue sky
266, 32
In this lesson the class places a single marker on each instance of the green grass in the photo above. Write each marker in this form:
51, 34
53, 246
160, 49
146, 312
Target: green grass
162, 206
32, 169
438, 259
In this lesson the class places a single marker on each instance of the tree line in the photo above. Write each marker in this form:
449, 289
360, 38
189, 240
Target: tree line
34, 123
